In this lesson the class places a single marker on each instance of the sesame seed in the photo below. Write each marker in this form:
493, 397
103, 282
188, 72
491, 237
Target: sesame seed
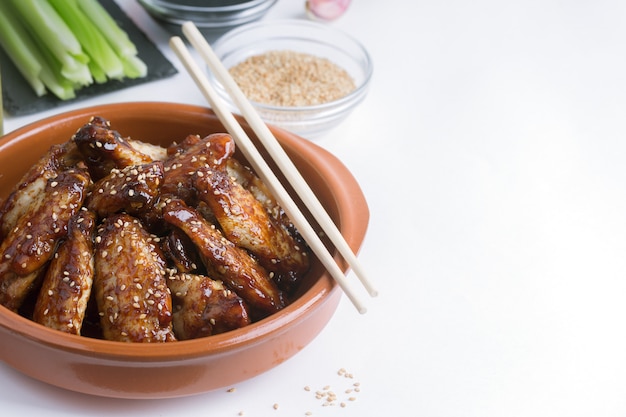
289, 78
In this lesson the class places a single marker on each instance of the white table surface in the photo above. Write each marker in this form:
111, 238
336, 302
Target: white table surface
491, 150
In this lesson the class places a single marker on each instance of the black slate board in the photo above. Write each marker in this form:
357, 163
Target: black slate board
19, 99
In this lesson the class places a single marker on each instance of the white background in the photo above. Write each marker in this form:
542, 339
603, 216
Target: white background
491, 150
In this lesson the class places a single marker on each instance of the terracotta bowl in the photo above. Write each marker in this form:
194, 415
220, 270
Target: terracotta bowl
124, 370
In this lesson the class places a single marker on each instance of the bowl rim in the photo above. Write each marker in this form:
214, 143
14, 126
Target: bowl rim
357, 94
242, 338
241, 6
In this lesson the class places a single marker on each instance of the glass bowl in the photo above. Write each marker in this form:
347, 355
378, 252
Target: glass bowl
302, 36
210, 14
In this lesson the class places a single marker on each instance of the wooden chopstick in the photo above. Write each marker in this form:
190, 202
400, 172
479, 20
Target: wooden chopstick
264, 171
278, 154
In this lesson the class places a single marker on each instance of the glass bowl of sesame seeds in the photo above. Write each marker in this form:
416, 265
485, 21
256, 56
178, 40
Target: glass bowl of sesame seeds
305, 77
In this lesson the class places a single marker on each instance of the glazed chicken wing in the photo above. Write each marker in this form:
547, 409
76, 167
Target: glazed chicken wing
251, 182
203, 306
226, 261
130, 286
186, 158
105, 149
246, 223
29, 191
31, 243
181, 252
132, 189
62, 300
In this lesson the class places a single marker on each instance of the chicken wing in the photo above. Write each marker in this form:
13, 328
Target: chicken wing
130, 286
181, 252
186, 158
66, 288
246, 223
31, 243
132, 189
203, 307
251, 182
29, 191
226, 261
105, 149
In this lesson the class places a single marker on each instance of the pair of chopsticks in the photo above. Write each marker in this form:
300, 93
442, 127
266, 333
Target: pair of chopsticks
282, 160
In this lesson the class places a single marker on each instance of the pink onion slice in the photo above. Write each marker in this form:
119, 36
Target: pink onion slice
326, 9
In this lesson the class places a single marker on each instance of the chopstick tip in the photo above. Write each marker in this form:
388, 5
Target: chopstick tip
175, 41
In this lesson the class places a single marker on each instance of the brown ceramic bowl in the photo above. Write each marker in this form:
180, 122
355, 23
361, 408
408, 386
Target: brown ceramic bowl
123, 370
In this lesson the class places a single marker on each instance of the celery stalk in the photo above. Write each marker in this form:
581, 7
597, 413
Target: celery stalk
43, 70
114, 34
52, 77
134, 67
98, 74
63, 45
91, 39
53, 33
19, 46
